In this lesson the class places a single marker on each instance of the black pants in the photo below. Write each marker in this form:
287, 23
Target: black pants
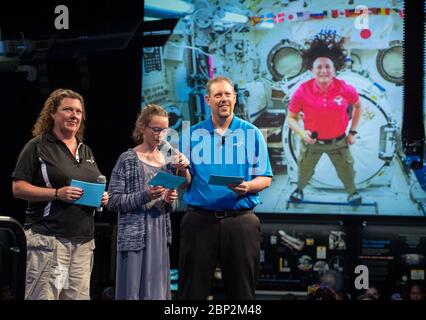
206, 240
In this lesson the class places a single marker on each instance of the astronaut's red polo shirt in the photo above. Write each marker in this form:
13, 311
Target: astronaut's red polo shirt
324, 112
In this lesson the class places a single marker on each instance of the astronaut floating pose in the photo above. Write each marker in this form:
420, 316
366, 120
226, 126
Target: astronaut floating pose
324, 101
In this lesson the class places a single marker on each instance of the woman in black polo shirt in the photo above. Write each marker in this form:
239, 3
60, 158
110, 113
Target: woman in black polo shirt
60, 234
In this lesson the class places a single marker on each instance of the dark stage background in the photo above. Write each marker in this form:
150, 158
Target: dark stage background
106, 73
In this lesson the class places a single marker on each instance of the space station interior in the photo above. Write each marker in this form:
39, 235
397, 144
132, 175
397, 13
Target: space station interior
258, 45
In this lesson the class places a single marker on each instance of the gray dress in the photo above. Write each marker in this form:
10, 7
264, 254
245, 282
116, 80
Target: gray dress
145, 274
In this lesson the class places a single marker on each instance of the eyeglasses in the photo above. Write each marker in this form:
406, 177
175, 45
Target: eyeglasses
158, 129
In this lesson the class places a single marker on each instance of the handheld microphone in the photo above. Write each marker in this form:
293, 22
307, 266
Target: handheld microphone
314, 135
165, 147
101, 179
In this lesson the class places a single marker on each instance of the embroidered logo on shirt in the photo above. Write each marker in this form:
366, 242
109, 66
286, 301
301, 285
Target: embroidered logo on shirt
239, 143
338, 100
91, 160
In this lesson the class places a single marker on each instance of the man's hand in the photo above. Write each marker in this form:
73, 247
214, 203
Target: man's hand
241, 188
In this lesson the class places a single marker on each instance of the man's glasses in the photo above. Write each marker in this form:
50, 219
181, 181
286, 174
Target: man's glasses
158, 129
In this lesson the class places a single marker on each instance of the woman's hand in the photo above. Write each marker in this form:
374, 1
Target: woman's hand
306, 136
293, 122
351, 139
156, 192
69, 193
180, 162
105, 198
171, 196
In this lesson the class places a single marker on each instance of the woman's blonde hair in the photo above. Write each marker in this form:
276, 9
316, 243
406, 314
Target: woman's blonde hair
144, 118
44, 122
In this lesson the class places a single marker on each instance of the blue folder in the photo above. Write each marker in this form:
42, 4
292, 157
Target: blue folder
167, 180
92, 195
224, 180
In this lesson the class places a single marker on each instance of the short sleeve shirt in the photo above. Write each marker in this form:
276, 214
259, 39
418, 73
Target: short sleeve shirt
324, 112
45, 161
241, 151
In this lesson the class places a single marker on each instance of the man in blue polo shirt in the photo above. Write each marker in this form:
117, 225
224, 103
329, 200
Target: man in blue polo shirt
220, 225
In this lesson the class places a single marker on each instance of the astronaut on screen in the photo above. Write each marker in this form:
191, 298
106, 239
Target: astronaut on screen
324, 101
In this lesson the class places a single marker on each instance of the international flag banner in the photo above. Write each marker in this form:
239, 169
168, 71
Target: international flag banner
268, 18
384, 11
335, 13
255, 20
319, 15
279, 17
350, 13
302, 16
373, 10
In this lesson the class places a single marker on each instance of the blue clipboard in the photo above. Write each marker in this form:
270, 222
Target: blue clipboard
167, 180
92, 195
224, 180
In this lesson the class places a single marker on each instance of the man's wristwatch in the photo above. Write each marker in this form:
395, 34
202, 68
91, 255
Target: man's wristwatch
353, 132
